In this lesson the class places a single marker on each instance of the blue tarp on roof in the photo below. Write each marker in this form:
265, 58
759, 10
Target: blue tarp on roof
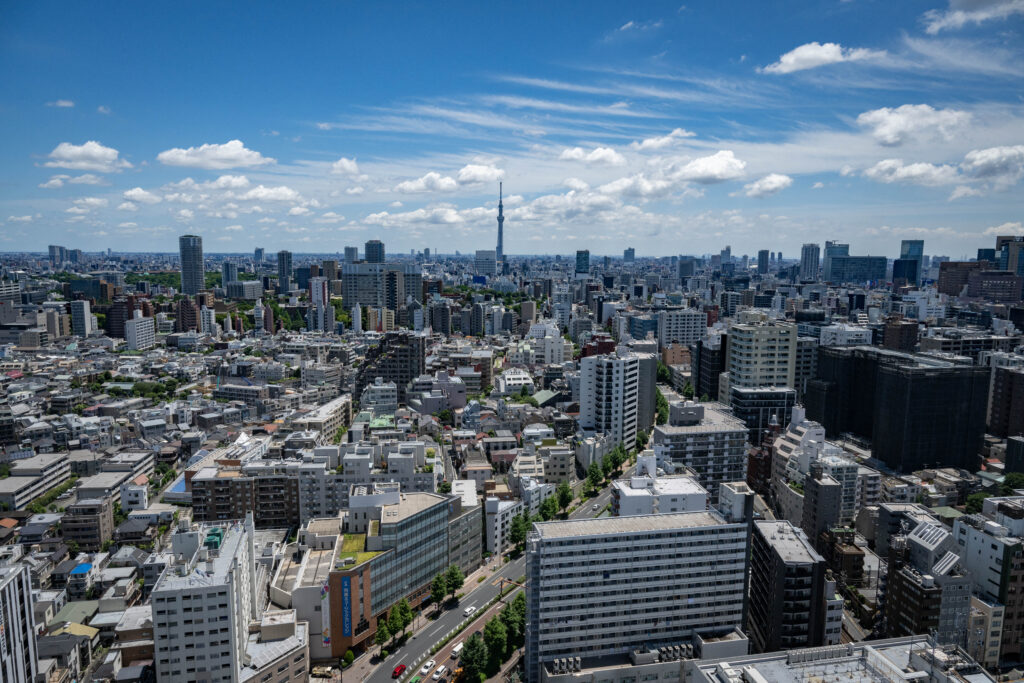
82, 568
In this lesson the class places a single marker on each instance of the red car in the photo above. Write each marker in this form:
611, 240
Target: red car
399, 670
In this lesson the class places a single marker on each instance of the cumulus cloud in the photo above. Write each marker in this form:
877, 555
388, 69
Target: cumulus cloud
185, 214
479, 173
600, 156
299, 211
962, 191
91, 156
61, 104
430, 182
234, 228
137, 194
576, 184
356, 191
895, 171
279, 193
719, 167
1016, 228
637, 185
227, 182
91, 202
893, 126
963, 12
436, 215
19, 219
127, 206
663, 141
1003, 165
768, 185
813, 55
231, 154
54, 182
345, 166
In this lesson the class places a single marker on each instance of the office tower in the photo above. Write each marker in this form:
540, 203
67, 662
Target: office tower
832, 249
762, 262
987, 255
228, 273
954, 275
58, 255
367, 284
351, 254
707, 360
726, 255
681, 326
647, 401
629, 255
918, 411
810, 255
330, 269
499, 251
374, 251
996, 286
609, 395
906, 272
685, 573
857, 269
729, 302
440, 317
213, 579
284, 270
259, 255
528, 311
759, 355
193, 276
1006, 404
398, 358
687, 267
121, 310
18, 653
912, 249
485, 263
793, 600
302, 275
582, 261
140, 332
81, 318
706, 439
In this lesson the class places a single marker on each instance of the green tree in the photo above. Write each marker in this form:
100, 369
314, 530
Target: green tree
405, 615
641, 441
517, 530
664, 374
474, 658
454, 579
688, 390
549, 508
974, 502
496, 640
564, 493
662, 406
594, 475
395, 622
1012, 481
444, 487
607, 464
438, 589
349, 657
383, 634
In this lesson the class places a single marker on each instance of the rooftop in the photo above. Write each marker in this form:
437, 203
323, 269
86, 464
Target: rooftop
789, 542
626, 525
409, 505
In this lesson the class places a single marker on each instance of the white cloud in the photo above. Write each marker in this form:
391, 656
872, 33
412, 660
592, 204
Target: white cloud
345, 166
128, 224
227, 182
280, 193
719, 167
639, 26
895, 171
637, 185
54, 182
813, 55
963, 12
127, 206
478, 173
768, 185
61, 104
1016, 228
185, 214
894, 126
103, 109
576, 184
91, 156
91, 202
1003, 165
601, 156
234, 228
431, 182
356, 191
436, 215
962, 191
137, 194
19, 219
329, 217
818, 185
87, 179
299, 211
664, 140
231, 154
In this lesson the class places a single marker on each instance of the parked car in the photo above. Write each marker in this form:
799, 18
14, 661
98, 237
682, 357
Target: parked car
399, 670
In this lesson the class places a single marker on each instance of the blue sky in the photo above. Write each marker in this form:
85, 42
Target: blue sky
669, 128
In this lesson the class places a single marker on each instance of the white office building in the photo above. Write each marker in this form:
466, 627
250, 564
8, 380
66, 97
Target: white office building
602, 587
486, 262
203, 605
140, 332
498, 516
609, 395
844, 335
81, 318
18, 655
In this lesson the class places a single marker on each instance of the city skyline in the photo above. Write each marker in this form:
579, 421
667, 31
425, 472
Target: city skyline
615, 131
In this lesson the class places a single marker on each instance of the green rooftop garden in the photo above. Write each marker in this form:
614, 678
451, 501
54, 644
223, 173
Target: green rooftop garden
354, 546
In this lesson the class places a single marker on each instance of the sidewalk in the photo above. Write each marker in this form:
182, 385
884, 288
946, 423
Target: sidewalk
364, 665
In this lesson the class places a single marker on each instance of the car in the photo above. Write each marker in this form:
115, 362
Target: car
595, 506
415, 679
439, 674
399, 670
427, 667
469, 610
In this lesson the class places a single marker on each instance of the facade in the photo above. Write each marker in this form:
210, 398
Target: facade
686, 574
759, 355
609, 395
793, 600
498, 516
18, 654
140, 332
81, 318
193, 275
681, 326
486, 262
89, 523
705, 439
857, 269
810, 255
1006, 404
374, 251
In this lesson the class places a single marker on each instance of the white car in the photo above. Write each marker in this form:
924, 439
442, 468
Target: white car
439, 674
469, 610
427, 667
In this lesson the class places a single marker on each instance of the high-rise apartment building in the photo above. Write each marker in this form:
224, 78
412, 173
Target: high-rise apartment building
259, 255
193, 276
582, 261
140, 332
398, 358
759, 355
284, 270
629, 255
485, 262
810, 255
609, 395
681, 326
601, 587
81, 318
762, 262
19, 660
228, 273
793, 600
702, 437
377, 285
374, 251
351, 254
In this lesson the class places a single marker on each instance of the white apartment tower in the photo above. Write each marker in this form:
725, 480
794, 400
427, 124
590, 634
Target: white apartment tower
609, 395
81, 319
203, 605
18, 656
810, 256
760, 355
683, 326
140, 332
